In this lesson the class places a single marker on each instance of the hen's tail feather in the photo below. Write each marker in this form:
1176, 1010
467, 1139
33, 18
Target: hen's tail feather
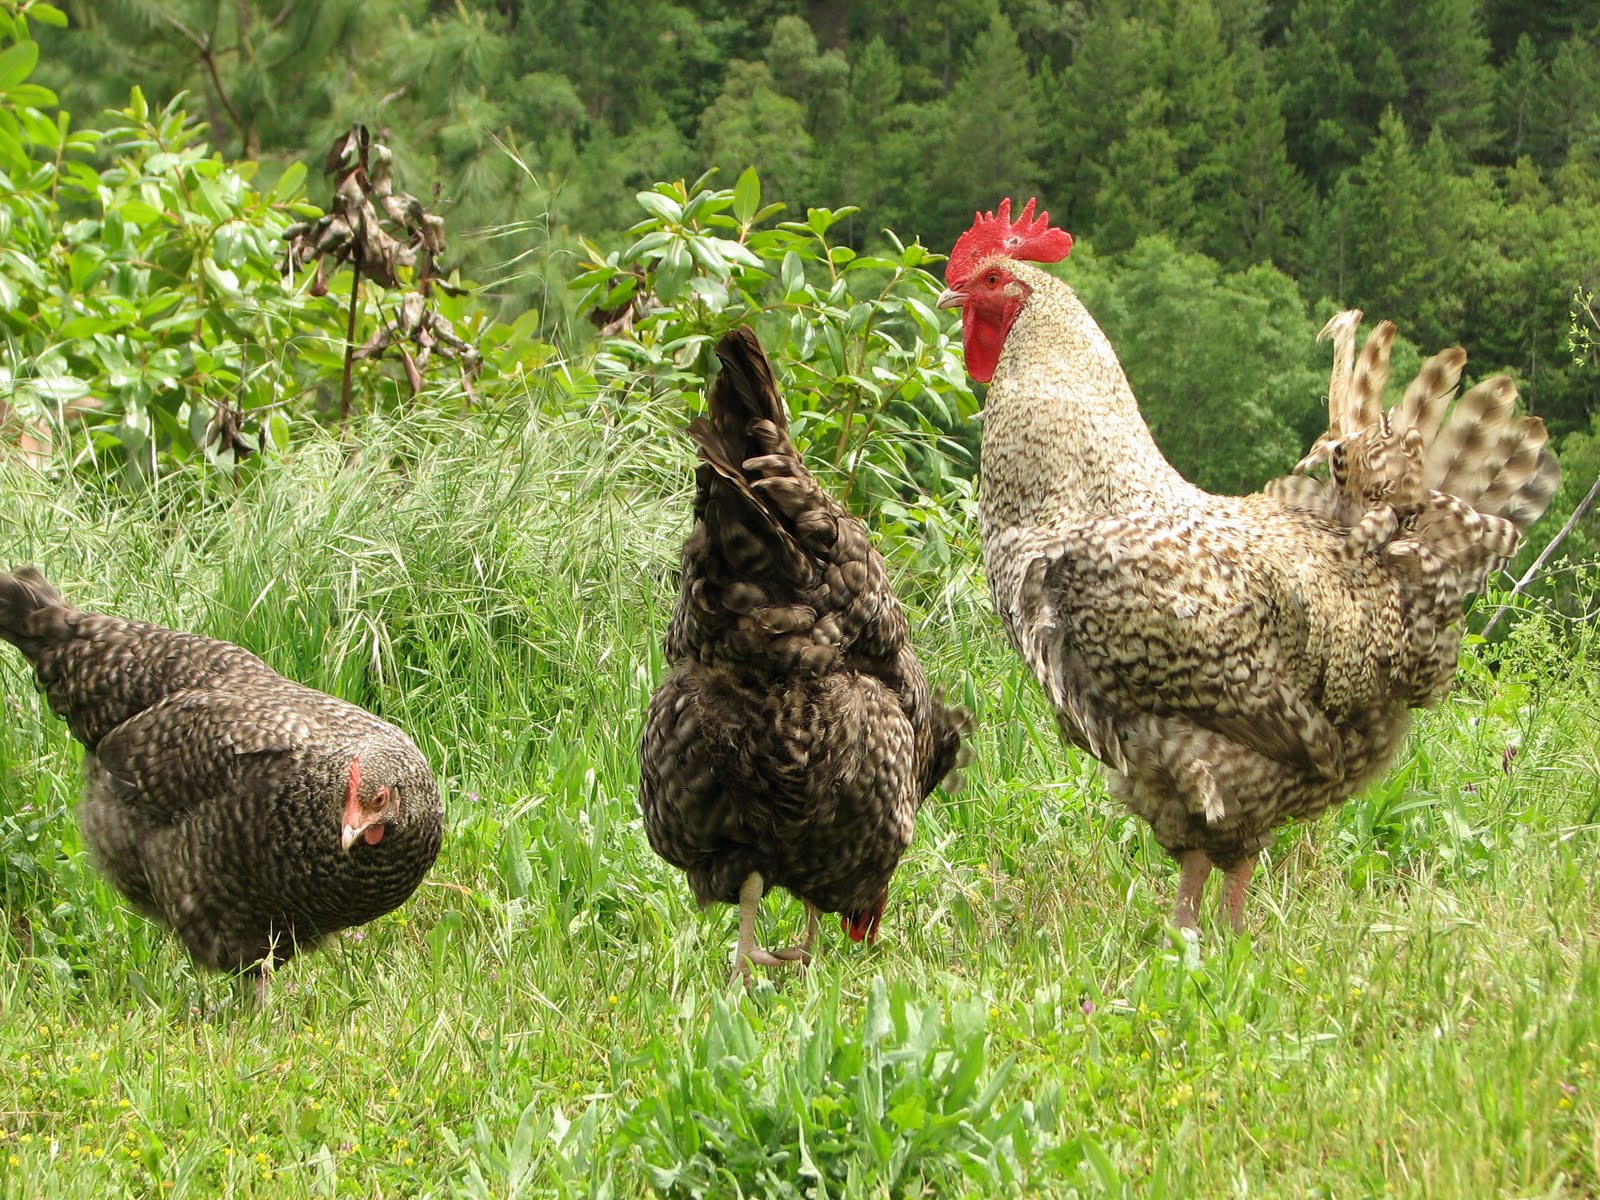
24, 593
1461, 460
746, 406
1428, 395
1342, 328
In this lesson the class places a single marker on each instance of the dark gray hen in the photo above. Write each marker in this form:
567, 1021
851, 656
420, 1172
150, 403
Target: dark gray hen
796, 737
249, 813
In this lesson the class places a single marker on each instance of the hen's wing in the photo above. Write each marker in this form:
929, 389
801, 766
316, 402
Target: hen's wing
201, 746
1118, 621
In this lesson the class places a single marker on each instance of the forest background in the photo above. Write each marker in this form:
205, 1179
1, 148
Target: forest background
1233, 171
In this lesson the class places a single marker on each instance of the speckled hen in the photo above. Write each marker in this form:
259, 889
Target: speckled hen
795, 738
1236, 662
250, 814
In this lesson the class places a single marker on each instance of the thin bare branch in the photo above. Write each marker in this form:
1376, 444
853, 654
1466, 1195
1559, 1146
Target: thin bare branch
1544, 555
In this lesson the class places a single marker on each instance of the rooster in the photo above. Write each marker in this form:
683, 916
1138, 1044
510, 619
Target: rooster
795, 738
1236, 662
250, 814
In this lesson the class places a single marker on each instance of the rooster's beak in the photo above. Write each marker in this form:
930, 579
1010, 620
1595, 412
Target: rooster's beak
951, 298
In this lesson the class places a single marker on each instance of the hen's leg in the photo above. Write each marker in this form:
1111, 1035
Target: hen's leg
254, 985
802, 953
1193, 866
747, 952
1236, 881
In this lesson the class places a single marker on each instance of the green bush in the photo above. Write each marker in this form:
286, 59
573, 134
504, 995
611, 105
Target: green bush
878, 396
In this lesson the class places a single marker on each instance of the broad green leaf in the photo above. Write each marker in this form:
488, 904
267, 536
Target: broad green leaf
17, 63
31, 95
661, 207
290, 182
747, 196
672, 271
705, 253
792, 275
47, 14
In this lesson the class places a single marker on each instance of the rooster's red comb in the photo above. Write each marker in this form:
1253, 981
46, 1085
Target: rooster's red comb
1028, 238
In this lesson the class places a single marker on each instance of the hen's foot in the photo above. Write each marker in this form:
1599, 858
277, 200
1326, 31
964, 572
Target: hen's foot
801, 952
255, 987
747, 952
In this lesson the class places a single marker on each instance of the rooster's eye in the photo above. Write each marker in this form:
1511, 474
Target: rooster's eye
994, 279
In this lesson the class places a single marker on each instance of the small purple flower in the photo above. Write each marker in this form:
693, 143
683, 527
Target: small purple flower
1569, 1089
1088, 1008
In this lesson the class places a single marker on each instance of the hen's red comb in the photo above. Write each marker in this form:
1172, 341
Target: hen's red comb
1028, 238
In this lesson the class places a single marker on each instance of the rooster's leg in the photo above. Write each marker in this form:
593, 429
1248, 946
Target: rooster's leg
747, 952
1236, 881
1193, 867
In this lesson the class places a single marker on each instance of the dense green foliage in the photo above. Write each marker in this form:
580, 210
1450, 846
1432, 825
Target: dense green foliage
1435, 163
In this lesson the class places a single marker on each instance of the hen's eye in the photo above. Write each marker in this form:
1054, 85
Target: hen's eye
994, 279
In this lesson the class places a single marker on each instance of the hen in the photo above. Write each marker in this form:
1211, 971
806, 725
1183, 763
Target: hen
795, 738
250, 814
1236, 662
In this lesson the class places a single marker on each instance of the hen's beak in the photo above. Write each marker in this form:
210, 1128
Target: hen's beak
951, 298
357, 823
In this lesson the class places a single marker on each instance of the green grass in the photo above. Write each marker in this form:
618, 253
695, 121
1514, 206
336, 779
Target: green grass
1416, 1011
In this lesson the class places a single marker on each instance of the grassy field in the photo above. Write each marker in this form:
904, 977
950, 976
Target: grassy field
1415, 1011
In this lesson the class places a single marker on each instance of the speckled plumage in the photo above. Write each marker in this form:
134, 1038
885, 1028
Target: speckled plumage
1238, 662
795, 737
215, 787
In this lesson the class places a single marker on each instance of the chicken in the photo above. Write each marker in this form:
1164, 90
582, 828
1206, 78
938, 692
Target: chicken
1236, 662
250, 814
795, 737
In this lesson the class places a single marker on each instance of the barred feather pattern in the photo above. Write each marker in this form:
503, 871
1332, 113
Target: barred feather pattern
215, 789
796, 735
1445, 499
1237, 662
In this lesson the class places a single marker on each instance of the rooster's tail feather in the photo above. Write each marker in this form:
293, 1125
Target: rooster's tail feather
1442, 496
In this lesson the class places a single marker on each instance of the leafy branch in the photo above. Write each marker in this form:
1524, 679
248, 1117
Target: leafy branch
880, 395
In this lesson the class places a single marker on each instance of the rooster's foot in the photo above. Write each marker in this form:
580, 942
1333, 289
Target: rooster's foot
1236, 881
1194, 867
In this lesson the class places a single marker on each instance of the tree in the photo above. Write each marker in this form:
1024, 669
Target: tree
1220, 362
1256, 204
1143, 189
1336, 81
753, 123
1394, 232
1522, 94
257, 66
994, 120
